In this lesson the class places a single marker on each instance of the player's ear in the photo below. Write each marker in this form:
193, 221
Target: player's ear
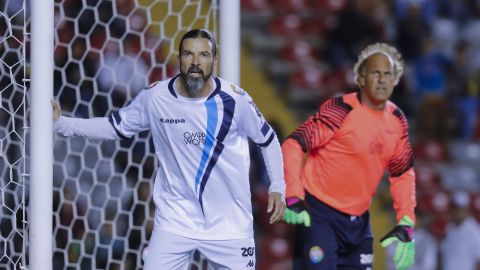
361, 81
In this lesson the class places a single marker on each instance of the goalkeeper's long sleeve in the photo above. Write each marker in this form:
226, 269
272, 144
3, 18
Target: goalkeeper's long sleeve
98, 128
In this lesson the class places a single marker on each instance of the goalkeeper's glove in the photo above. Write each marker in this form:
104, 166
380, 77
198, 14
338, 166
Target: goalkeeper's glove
405, 251
296, 212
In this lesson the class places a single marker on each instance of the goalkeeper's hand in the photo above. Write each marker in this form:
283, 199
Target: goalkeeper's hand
405, 251
297, 212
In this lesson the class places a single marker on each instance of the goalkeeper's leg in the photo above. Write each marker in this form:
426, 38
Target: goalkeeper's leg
316, 246
359, 258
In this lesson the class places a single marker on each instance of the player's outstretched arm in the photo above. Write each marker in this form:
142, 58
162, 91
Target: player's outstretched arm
56, 111
94, 128
276, 202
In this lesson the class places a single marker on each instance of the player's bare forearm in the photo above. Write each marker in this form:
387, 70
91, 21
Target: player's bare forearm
276, 203
55, 109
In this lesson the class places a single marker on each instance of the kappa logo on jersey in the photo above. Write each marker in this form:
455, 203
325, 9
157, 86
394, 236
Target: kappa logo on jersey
195, 138
248, 252
172, 121
250, 264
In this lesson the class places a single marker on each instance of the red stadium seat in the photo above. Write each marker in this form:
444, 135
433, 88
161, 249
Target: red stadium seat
427, 178
339, 81
309, 78
430, 150
328, 6
317, 27
434, 203
260, 203
285, 264
279, 229
255, 5
290, 5
475, 206
275, 248
438, 226
299, 51
286, 25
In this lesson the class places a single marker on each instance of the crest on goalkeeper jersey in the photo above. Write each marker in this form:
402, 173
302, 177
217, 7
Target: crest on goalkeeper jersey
316, 254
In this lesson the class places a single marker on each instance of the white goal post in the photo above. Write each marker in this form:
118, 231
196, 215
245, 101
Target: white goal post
44, 190
41, 154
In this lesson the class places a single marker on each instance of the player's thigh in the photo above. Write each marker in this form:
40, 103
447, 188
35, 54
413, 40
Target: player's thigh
229, 254
168, 251
316, 247
359, 258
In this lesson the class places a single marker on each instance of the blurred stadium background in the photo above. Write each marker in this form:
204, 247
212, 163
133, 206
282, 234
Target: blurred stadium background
295, 54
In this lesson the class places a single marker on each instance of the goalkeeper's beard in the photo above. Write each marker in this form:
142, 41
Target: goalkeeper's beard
193, 84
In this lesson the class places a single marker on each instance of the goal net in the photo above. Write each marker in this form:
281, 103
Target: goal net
105, 53
12, 135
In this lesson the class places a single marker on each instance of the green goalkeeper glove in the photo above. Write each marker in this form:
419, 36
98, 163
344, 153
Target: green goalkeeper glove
405, 251
296, 212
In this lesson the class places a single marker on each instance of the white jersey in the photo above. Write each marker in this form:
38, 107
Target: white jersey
202, 187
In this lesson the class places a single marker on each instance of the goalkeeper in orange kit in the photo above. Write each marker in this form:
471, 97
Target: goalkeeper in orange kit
349, 143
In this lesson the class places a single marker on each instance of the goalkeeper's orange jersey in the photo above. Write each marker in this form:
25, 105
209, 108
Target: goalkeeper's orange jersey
348, 147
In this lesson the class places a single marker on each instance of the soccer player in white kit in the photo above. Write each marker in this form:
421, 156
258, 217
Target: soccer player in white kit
200, 127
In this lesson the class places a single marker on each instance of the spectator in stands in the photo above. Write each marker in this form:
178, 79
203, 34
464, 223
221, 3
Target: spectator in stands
411, 31
430, 74
461, 247
349, 143
463, 91
353, 30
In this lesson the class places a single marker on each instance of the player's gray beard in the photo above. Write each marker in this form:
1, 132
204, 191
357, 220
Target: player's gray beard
194, 84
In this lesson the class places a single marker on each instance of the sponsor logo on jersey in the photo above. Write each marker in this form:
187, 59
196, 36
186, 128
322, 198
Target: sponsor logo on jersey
316, 254
366, 259
172, 121
376, 148
256, 109
196, 138
248, 251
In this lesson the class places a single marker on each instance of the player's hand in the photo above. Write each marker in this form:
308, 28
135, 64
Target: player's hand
297, 212
55, 110
276, 202
405, 251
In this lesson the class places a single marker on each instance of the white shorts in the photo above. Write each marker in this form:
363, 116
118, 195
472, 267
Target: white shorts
170, 251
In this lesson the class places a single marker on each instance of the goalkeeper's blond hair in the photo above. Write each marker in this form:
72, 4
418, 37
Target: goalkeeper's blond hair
383, 48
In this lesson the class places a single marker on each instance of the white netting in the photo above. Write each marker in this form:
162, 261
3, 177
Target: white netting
105, 53
12, 135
